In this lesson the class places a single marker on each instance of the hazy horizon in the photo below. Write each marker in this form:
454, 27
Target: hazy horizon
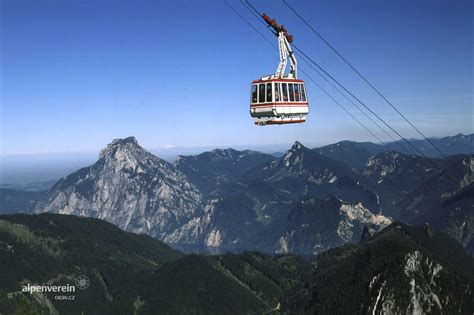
43, 167
266, 148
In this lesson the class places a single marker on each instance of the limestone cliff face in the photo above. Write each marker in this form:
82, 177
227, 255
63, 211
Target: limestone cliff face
130, 187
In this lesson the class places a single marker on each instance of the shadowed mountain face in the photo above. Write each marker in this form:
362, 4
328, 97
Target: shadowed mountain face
427, 198
302, 172
414, 191
455, 214
302, 202
394, 175
255, 210
354, 154
210, 171
316, 225
397, 171
400, 269
451, 211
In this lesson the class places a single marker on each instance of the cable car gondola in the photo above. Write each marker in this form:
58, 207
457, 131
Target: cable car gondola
279, 98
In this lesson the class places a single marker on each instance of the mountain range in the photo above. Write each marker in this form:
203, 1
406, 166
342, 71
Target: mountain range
303, 202
312, 231
222, 198
401, 269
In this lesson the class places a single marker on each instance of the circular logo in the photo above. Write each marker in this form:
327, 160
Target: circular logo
82, 282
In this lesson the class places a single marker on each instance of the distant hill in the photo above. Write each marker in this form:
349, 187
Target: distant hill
34, 186
356, 154
214, 169
16, 201
399, 268
452, 145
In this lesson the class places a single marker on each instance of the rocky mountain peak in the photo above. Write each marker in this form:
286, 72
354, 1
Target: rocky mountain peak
297, 146
300, 159
224, 153
128, 144
386, 155
129, 187
127, 155
296, 150
130, 139
385, 162
294, 156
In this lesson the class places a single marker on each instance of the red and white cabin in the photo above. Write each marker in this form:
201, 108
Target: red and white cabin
280, 98
278, 101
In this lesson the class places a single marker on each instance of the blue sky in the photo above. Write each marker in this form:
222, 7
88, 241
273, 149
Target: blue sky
77, 74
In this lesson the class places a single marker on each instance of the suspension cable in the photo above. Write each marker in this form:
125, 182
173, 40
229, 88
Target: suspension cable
341, 106
351, 94
254, 11
357, 106
368, 108
322, 89
347, 91
366, 80
306, 74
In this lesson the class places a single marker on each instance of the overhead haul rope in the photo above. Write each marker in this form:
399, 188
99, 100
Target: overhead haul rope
252, 10
367, 81
347, 91
306, 74
274, 46
373, 113
363, 104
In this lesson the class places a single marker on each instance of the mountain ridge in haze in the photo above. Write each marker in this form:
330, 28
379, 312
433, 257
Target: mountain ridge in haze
31, 175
